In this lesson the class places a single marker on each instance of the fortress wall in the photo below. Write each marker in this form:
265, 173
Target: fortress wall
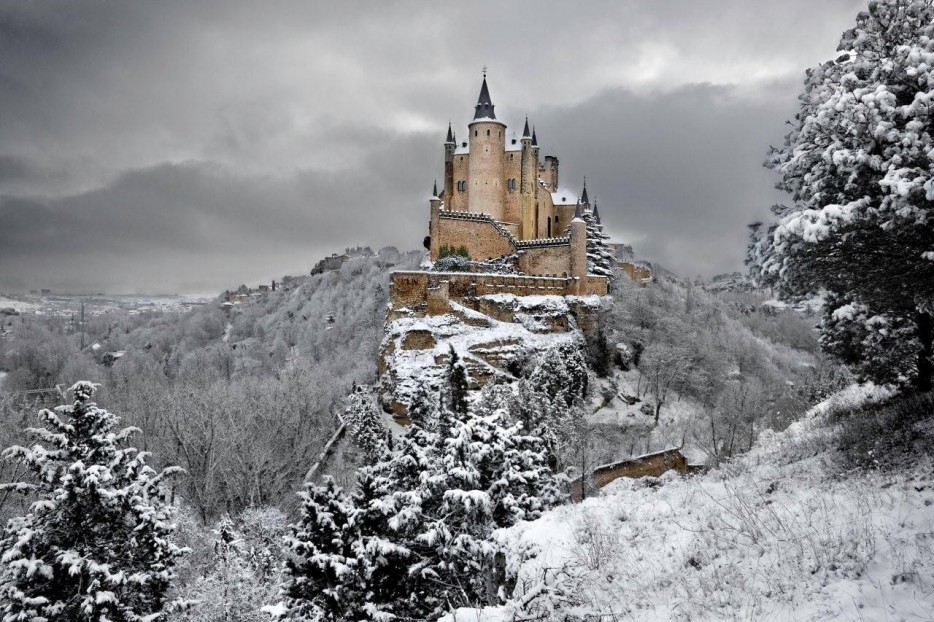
482, 239
554, 260
596, 285
410, 289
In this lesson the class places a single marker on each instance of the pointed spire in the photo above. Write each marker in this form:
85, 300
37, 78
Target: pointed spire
434, 189
450, 139
596, 213
484, 108
578, 215
584, 199
534, 138
525, 132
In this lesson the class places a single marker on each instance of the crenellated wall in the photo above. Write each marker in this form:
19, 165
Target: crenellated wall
412, 289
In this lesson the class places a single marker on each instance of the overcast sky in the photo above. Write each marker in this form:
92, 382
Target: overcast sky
194, 146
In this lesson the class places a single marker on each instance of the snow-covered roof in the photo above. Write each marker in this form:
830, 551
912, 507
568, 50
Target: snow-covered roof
486, 120
514, 143
564, 196
462, 149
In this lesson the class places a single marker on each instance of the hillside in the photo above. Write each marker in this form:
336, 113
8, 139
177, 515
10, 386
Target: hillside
788, 531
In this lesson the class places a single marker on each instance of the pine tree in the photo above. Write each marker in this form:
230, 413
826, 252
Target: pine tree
600, 259
424, 408
324, 576
859, 165
457, 384
365, 423
96, 544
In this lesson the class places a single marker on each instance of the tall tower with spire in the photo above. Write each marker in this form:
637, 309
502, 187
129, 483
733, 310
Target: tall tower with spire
486, 185
450, 144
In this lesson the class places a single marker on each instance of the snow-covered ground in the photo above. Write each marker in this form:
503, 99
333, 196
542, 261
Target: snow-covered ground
782, 533
20, 306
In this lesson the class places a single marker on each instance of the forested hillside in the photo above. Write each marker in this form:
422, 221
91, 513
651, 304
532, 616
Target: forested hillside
242, 397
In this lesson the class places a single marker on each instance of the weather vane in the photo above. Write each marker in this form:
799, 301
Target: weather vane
484, 71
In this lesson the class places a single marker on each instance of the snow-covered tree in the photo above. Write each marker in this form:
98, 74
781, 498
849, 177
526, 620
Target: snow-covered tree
97, 542
323, 579
424, 408
859, 165
425, 514
561, 373
457, 384
365, 423
600, 259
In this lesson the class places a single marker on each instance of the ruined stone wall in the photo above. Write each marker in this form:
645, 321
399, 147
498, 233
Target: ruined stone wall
654, 466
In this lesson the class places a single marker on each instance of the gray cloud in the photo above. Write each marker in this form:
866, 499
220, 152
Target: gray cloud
175, 145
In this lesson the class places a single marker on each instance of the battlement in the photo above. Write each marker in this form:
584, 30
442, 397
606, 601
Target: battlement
412, 289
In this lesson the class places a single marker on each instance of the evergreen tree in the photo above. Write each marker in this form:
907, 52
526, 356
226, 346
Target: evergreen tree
600, 259
324, 576
561, 373
457, 384
365, 423
423, 408
96, 543
859, 165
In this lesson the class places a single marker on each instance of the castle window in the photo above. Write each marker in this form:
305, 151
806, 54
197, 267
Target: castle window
488, 132
475, 132
556, 220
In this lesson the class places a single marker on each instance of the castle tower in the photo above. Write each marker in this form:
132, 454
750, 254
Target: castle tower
434, 231
578, 250
487, 136
449, 145
549, 172
528, 184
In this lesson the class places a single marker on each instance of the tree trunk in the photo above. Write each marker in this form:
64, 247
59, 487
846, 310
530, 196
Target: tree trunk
925, 377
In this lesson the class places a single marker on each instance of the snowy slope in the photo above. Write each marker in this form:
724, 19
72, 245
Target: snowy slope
782, 533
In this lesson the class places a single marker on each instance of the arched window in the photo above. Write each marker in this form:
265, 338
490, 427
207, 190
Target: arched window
488, 132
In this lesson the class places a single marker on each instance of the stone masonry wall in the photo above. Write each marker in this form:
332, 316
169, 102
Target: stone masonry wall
481, 237
554, 260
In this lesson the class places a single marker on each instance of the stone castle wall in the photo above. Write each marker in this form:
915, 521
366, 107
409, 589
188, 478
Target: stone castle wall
481, 237
411, 289
546, 259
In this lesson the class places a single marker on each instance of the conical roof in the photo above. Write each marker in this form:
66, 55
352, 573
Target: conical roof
484, 109
450, 138
525, 131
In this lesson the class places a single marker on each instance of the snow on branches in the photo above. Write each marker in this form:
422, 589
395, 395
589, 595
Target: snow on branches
859, 165
95, 544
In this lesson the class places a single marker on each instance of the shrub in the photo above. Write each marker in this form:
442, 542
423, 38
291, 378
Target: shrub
884, 436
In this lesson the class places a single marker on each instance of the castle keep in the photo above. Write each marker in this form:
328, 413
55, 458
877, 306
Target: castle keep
501, 200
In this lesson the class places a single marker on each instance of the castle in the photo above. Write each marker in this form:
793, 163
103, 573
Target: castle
500, 200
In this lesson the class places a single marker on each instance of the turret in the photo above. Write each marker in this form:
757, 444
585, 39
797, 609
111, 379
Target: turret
450, 144
585, 201
433, 225
550, 172
528, 185
578, 234
487, 138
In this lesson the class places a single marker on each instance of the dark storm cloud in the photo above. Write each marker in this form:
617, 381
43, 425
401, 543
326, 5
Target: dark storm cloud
199, 145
